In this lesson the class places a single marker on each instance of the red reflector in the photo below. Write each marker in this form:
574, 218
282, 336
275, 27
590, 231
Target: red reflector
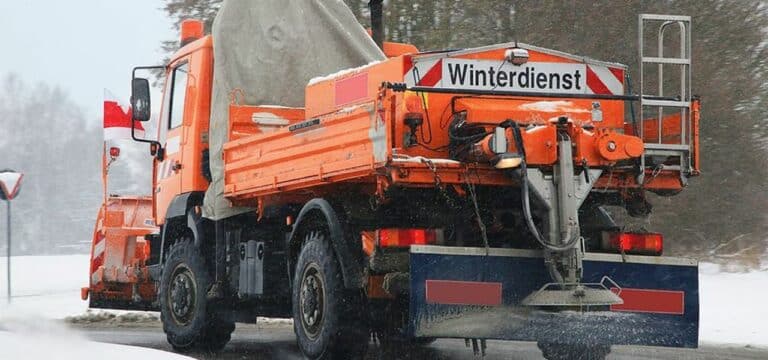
114, 152
406, 237
636, 243
651, 301
463, 292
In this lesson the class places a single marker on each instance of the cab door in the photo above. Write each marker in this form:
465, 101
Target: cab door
168, 182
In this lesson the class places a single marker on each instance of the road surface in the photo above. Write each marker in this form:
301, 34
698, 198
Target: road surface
276, 341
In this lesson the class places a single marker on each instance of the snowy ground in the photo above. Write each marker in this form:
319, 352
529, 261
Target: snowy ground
53, 341
733, 307
44, 286
48, 287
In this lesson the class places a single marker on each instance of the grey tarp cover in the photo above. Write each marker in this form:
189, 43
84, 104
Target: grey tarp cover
270, 49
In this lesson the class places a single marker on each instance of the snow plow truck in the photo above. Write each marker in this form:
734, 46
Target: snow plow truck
421, 195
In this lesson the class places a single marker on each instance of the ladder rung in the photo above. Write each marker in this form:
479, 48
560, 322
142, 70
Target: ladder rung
673, 147
666, 153
662, 60
665, 17
666, 103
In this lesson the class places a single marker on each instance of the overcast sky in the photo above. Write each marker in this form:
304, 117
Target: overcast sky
82, 46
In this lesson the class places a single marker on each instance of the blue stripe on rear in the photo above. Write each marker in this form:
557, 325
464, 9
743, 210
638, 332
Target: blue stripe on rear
522, 275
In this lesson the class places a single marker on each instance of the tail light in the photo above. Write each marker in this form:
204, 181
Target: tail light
408, 237
634, 243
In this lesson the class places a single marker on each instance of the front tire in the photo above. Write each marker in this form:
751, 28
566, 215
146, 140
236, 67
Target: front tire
188, 319
328, 319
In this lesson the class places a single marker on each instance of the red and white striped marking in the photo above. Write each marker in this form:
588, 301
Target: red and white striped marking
586, 78
427, 73
605, 80
651, 301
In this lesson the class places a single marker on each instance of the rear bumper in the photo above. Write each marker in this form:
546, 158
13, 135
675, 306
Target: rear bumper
462, 293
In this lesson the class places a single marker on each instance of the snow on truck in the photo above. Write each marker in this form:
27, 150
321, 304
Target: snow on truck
410, 195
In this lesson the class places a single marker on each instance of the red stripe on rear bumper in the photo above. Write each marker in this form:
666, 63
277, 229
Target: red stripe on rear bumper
651, 301
463, 292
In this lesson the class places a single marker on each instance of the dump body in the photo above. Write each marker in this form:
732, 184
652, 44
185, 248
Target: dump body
353, 128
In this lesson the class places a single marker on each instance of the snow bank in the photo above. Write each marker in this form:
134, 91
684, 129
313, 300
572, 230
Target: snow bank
48, 340
114, 317
44, 286
47, 288
733, 307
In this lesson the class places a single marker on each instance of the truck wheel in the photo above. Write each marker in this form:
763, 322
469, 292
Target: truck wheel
327, 318
188, 320
552, 351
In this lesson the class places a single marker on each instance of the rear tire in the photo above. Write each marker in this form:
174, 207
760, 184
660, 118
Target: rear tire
188, 319
552, 351
327, 318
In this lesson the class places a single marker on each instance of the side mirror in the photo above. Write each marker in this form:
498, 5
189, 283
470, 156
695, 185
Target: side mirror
140, 102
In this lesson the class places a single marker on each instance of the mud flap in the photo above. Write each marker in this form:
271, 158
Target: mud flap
464, 293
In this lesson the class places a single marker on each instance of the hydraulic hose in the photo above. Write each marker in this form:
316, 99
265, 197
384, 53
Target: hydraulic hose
526, 199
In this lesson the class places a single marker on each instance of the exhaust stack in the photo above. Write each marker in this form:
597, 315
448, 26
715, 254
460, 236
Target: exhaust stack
377, 23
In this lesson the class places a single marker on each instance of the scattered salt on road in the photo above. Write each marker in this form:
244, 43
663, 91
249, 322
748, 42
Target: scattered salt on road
48, 287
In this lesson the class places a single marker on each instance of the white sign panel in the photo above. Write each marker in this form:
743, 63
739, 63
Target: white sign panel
9, 184
535, 77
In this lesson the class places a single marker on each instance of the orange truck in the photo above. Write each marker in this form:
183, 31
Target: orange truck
447, 194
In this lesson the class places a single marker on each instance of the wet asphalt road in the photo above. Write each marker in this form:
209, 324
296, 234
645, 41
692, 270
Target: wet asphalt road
276, 341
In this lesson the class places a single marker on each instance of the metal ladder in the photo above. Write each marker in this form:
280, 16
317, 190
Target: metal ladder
660, 101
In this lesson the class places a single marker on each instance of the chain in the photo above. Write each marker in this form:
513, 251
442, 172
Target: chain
480, 223
439, 183
431, 166
657, 170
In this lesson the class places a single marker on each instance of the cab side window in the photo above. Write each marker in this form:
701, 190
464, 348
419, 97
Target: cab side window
178, 95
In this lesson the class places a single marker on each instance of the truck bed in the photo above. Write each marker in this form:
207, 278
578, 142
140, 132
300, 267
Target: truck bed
353, 130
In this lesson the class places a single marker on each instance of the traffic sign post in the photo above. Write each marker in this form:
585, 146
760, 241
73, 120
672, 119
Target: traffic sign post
10, 183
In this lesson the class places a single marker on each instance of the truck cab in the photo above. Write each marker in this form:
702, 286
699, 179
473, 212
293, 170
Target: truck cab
180, 162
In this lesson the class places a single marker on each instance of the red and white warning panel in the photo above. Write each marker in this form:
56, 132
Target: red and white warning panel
501, 75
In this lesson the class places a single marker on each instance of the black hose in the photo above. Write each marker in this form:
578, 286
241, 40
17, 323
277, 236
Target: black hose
526, 199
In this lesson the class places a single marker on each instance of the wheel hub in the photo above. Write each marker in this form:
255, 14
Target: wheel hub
312, 301
182, 296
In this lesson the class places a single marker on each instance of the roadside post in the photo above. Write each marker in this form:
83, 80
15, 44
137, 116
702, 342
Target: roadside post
10, 183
